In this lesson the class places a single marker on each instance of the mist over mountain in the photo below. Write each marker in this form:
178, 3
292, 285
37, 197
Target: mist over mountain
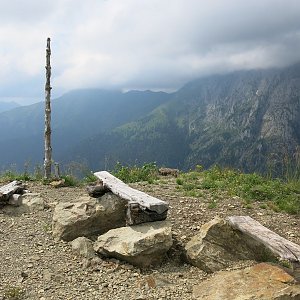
5, 106
246, 119
76, 115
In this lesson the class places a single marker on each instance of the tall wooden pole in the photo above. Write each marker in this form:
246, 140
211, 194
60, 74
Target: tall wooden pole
48, 149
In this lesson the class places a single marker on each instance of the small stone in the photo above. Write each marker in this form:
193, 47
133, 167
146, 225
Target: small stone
58, 183
15, 200
24, 275
86, 263
84, 247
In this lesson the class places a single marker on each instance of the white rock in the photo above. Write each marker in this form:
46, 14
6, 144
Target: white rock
141, 245
15, 200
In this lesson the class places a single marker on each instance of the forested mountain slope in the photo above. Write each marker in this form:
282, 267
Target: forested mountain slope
247, 119
76, 115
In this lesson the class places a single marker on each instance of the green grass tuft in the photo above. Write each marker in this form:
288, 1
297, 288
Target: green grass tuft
277, 194
148, 172
70, 180
13, 293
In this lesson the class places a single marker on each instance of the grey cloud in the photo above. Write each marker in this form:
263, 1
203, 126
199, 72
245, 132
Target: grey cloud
29, 11
158, 44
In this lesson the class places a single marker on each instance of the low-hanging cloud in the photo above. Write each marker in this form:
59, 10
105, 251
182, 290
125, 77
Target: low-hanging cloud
142, 44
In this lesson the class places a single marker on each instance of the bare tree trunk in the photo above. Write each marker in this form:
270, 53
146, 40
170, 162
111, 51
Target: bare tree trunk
48, 149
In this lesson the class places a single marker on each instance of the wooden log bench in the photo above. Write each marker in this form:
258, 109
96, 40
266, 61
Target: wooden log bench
282, 248
141, 207
8, 190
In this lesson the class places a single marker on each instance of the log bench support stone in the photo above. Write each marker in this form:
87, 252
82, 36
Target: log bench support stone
141, 207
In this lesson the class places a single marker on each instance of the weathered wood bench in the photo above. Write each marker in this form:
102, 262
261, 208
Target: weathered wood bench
141, 207
7, 191
282, 248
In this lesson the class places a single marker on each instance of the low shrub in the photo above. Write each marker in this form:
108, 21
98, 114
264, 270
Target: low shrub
148, 172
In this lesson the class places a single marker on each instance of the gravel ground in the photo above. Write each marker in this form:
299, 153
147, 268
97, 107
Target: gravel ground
34, 266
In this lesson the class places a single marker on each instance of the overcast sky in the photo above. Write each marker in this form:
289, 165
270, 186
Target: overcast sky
139, 44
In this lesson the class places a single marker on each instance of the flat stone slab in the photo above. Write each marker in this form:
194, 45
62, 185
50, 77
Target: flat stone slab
141, 245
260, 282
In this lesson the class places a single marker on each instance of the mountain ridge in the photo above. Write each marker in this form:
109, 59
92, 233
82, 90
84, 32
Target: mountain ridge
76, 115
242, 119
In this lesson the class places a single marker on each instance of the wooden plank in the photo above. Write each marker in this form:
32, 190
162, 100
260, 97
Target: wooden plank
9, 189
124, 191
279, 246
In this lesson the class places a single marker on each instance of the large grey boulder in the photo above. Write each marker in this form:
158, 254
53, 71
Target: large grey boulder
88, 216
217, 245
262, 282
141, 245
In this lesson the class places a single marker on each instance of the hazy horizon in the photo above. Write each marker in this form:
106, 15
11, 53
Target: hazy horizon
24, 101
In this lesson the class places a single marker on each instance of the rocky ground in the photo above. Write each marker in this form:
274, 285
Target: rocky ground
34, 266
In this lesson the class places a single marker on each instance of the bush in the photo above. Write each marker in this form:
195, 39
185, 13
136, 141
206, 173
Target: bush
147, 172
90, 178
11, 175
70, 180
13, 293
179, 181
